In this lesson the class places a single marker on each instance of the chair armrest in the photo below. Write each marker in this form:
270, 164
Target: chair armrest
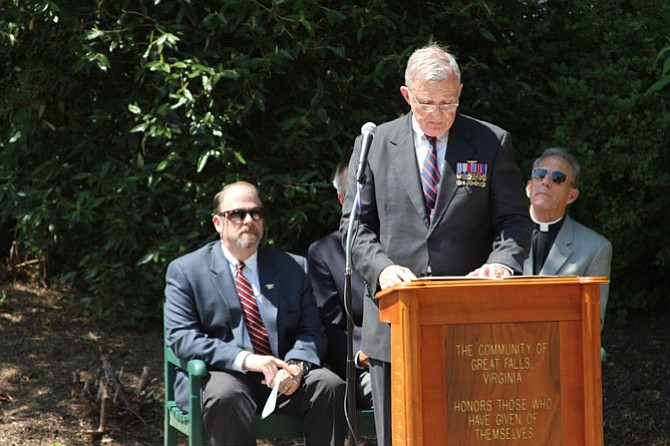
196, 367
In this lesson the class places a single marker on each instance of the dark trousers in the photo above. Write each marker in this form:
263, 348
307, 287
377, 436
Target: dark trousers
380, 378
231, 401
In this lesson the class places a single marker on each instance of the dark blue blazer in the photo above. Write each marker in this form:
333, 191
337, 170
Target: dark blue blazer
326, 262
204, 317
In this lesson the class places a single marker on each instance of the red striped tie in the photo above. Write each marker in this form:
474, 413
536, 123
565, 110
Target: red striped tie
430, 177
252, 317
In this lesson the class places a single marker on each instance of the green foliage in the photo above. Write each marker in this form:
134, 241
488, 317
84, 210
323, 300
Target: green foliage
589, 90
120, 120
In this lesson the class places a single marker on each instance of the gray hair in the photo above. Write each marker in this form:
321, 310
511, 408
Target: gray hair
340, 178
562, 153
432, 63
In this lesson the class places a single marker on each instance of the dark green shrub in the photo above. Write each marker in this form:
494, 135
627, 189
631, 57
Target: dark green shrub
120, 120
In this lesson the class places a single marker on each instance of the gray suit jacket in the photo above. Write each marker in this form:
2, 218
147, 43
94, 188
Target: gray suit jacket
471, 225
204, 318
577, 251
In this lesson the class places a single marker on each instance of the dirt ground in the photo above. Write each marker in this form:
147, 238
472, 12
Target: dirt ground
51, 350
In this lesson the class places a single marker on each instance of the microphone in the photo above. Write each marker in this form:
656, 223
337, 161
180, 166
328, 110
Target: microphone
368, 132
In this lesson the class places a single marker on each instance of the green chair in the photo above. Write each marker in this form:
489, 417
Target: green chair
190, 424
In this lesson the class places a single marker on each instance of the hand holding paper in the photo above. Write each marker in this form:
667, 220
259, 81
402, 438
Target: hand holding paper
272, 400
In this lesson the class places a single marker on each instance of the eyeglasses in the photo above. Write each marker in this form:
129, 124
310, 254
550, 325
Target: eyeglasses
557, 176
239, 215
430, 108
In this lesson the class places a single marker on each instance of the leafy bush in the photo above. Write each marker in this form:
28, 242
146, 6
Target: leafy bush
120, 120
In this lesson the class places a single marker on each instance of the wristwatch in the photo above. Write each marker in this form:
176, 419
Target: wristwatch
304, 365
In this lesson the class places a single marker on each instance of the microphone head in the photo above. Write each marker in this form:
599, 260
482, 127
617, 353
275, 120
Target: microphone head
368, 128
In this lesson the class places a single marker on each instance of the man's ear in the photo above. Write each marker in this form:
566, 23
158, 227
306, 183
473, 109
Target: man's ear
217, 221
404, 91
528, 185
572, 196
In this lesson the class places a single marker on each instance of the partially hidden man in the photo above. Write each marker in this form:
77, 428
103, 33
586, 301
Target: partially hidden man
327, 260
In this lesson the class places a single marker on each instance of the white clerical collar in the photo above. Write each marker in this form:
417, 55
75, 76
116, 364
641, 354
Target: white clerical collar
544, 225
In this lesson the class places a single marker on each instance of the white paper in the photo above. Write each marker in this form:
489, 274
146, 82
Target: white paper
272, 400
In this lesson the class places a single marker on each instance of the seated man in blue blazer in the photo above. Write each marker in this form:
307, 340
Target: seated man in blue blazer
250, 314
560, 245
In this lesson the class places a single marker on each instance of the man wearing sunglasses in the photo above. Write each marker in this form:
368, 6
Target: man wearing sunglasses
443, 196
560, 245
250, 314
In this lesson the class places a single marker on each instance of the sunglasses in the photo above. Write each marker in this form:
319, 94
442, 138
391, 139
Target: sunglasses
239, 215
557, 176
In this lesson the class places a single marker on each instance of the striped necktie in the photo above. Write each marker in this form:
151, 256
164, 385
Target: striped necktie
252, 317
430, 177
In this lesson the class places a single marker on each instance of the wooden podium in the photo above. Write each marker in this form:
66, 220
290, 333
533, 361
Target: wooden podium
495, 362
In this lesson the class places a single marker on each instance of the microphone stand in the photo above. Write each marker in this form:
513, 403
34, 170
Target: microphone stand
367, 133
350, 408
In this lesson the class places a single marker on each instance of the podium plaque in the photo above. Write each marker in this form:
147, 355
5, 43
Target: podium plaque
495, 362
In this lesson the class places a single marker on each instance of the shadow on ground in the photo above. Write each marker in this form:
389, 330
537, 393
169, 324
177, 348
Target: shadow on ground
51, 347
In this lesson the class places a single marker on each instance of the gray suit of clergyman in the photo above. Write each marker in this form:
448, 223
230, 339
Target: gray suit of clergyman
577, 251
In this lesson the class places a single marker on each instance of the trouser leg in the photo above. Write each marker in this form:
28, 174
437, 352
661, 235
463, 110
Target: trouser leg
380, 378
363, 390
229, 407
320, 403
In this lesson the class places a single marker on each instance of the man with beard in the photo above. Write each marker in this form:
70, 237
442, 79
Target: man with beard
250, 314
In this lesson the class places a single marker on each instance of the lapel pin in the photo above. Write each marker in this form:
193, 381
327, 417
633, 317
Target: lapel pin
270, 286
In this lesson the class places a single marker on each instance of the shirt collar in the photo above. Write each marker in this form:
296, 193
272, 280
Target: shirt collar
545, 225
251, 263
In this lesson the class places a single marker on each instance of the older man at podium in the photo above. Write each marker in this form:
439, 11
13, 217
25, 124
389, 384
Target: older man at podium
442, 196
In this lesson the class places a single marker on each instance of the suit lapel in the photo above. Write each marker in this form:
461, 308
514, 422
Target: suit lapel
269, 290
223, 278
561, 249
403, 158
458, 150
